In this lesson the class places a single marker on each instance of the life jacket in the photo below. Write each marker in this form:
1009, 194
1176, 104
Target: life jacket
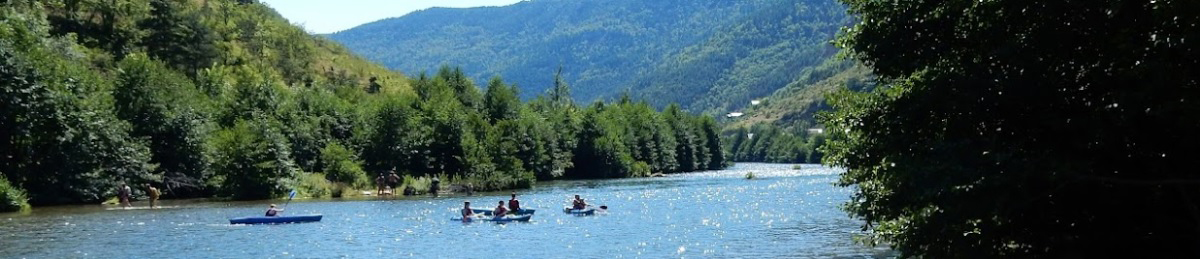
514, 204
272, 212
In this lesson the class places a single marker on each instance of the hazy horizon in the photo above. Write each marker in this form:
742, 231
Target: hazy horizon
323, 16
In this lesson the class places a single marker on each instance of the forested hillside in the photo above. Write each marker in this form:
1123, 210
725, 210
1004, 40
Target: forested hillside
225, 98
708, 55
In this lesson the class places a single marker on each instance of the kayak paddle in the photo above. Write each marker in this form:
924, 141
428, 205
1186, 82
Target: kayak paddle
290, 196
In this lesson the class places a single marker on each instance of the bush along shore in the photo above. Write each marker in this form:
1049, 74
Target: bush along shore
226, 99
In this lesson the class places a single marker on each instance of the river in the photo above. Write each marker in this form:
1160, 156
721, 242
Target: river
783, 212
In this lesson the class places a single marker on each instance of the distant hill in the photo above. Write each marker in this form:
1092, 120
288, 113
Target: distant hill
795, 105
708, 56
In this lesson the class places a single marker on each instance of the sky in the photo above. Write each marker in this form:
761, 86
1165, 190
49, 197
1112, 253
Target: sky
328, 16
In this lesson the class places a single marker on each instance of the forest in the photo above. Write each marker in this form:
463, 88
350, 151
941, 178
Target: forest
709, 56
224, 98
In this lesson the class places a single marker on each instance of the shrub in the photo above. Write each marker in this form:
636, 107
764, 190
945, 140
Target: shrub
315, 185
12, 198
342, 166
641, 169
252, 161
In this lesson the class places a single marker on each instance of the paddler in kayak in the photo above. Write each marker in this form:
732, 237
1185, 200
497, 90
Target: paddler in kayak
578, 203
514, 204
467, 213
500, 210
272, 212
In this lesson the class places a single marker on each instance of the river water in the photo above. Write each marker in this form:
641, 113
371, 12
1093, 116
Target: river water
783, 212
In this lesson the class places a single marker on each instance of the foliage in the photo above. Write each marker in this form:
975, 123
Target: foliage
772, 144
1023, 129
58, 135
225, 98
165, 109
341, 165
255, 160
316, 185
705, 55
794, 107
12, 198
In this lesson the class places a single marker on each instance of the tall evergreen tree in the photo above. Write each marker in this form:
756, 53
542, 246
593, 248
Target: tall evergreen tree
501, 102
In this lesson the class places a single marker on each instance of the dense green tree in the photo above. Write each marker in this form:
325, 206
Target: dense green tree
255, 158
178, 37
60, 140
774, 144
685, 141
464, 89
274, 108
1024, 129
163, 107
341, 165
399, 138
12, 198
601, 152
500, 102
716, 152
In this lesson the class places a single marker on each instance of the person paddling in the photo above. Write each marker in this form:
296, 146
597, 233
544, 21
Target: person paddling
467, 213
500, 210
514, 204
272, 212
578, 203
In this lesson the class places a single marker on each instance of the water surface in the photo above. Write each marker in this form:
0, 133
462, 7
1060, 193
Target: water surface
782, 213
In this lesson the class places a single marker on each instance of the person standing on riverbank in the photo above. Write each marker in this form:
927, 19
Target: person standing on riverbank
123, 194
393, 180
379, 184
153, 193
434, 186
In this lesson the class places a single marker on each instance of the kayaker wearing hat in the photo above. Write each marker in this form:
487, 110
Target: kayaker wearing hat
271, 212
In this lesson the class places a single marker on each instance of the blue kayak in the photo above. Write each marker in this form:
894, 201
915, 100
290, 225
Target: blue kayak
523, 218
582, 212
275, 220
517, 212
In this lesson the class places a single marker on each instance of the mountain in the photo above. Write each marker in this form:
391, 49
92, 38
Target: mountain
711, 55
795, 106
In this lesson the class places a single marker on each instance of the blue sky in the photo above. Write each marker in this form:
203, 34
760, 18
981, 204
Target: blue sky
326, 16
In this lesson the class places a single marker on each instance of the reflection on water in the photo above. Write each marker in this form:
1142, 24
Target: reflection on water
781, 213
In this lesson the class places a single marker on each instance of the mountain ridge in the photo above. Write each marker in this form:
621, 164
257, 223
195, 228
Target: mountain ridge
709, 56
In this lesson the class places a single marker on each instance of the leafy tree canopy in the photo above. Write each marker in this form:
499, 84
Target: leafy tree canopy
1024, 128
